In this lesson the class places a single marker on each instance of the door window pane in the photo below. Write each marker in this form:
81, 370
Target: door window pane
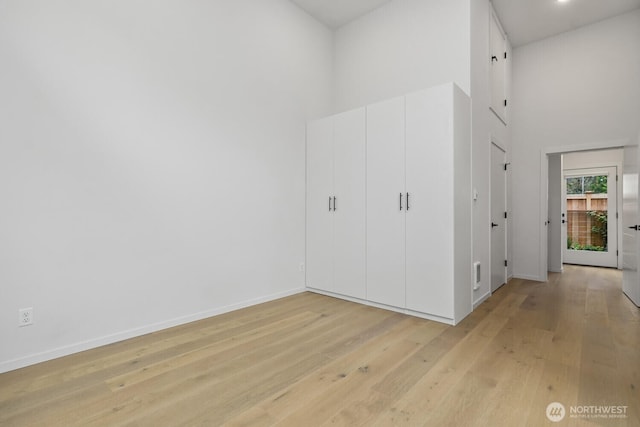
587, 213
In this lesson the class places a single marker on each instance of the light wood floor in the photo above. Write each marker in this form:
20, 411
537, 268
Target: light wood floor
311, 360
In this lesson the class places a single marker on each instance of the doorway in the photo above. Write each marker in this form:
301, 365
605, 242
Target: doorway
590, 155
498, 217
585, 166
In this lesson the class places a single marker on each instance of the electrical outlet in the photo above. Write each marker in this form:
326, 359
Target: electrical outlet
301, 267
25, 316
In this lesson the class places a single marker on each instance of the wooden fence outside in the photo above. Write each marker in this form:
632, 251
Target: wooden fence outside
580, 224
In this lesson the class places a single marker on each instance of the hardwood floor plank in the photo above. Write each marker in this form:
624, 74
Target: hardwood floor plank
210, 371
436, 385
321, 381
353, 381
256, 337
245, 381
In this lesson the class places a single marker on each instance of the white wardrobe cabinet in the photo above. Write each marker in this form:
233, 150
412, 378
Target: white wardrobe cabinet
336, 204
414, 254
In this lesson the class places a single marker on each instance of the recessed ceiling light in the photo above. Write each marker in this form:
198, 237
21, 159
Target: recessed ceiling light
562, 1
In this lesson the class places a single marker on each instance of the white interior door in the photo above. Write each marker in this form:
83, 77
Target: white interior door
591, 198
319, 204
631, 221
498, 220
349, 216
386, 202
429, 154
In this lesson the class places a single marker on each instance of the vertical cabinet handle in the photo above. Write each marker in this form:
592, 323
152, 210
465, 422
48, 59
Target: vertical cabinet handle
407, 201
400, 201
334, 203
329, 203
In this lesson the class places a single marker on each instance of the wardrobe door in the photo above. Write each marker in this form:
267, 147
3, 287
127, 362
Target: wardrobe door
349, 215
320, 204
430, 218
386, 203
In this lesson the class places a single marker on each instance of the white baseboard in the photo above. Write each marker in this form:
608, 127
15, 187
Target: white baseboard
527, 277
482, 299
445, 320
44, 356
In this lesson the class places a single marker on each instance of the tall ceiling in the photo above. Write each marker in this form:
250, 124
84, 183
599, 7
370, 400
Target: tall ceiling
336, 13
524, 21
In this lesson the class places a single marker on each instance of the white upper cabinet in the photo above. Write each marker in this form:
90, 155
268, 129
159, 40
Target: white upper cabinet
498, 52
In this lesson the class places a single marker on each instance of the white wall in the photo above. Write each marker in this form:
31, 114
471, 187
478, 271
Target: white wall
593, 159
581, 87
401, 47
151, 163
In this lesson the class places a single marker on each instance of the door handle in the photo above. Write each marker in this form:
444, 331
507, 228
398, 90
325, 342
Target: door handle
400, 201
329, 203
635, 227
407, 201
334, 203
493, 224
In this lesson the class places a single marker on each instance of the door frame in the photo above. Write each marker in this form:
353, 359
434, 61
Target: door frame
544, 190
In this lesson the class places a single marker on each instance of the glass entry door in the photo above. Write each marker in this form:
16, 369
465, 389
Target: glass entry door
590, 217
